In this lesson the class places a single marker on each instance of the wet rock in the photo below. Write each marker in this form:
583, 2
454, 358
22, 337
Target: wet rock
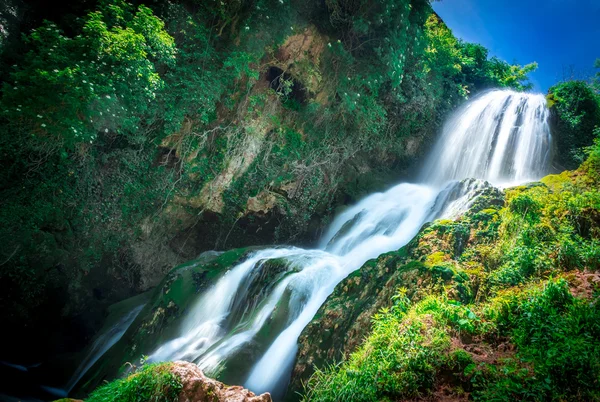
199, 388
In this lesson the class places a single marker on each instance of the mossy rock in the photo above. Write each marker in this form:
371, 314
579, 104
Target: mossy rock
427, 265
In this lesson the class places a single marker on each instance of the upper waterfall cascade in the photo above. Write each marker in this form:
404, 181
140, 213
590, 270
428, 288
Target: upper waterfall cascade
501, 137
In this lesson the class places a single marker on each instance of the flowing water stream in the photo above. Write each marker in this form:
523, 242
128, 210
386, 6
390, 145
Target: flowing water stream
249, 332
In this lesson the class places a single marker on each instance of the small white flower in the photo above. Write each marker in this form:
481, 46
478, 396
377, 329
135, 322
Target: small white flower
55, 70
106, 130
15, 88
107, 97
43, 125
84, 81
329, 44
39, 116
247, 28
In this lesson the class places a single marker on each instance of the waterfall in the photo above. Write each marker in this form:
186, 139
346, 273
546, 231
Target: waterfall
246, 325
104, 341
502, 137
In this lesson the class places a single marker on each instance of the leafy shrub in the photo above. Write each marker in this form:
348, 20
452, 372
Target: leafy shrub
401, 357
577, 110
558, 335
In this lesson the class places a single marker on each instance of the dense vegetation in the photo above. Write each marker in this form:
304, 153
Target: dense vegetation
154, 382
134, 137
576, 114
502, 303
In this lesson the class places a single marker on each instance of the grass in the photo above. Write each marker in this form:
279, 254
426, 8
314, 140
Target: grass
526, 331
153, 383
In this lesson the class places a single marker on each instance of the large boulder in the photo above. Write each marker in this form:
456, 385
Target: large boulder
199, 388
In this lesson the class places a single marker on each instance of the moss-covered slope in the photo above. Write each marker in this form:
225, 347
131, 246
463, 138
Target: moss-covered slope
500, 304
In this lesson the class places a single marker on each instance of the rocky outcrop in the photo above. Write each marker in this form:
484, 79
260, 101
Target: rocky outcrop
196, 387
426, 265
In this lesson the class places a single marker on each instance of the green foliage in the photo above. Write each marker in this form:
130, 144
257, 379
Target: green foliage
466, 66
592, 163
558, 349
498, 295
153, 382
577, 109
393, 361
67, 90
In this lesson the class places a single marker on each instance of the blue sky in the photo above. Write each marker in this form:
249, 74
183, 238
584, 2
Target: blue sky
557, 34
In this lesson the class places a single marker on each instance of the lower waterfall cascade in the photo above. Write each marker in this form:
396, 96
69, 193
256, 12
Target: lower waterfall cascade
501, 137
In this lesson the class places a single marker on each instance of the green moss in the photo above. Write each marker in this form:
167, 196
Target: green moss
190, 278
152, 383
436, 258
557, 181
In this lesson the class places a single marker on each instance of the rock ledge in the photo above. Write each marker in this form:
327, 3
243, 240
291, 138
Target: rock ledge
199, 388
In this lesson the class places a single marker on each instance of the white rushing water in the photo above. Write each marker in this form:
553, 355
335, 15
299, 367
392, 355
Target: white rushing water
105, 340
241, 322
502, 137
